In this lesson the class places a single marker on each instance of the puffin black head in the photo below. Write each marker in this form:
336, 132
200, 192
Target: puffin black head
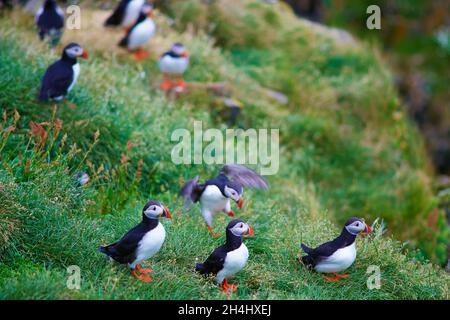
239, 228
357, 226
233, 190
154, 210
180, 50
73, 51
49, 4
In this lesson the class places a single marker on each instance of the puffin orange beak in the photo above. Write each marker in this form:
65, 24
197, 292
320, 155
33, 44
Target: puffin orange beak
367, 231
85, 55
185, 54
240, 202
250, 232
166, 213
151, 14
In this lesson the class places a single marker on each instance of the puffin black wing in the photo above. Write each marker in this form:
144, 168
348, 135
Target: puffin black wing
324, 250
56, 81
192, 190
245, 176
124, 250
316, 255
214, 263
117, 16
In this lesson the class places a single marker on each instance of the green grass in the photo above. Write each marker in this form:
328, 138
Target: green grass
330, 169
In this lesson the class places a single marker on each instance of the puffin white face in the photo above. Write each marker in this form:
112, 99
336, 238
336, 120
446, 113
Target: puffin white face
180, 50
242, 229
76, 51
155, 211
357, 227
147, 9
232, 194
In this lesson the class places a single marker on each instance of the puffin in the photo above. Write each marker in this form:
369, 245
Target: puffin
141, 242
125, 14
50, 22
174, 63
336, 255
82, 178
229, 258
214, 195
138, 35
62, 75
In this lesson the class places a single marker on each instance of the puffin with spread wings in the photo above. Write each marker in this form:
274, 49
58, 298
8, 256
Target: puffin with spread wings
215, 194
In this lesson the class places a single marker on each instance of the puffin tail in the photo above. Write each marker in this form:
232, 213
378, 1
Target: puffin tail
113, 20
42, 97
104, 250
306, 249
200, 267
308, 261
124, 42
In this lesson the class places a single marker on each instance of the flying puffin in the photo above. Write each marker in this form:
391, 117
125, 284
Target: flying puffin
62, 75
125, 14
141, 242
50, 22
337, 255
140, 33
214, 195
174, 63
230, 258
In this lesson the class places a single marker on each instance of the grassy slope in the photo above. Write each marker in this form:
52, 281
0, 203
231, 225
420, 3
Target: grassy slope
51, 226
346, 125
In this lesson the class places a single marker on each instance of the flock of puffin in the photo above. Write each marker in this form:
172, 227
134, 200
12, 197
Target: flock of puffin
215, 195
135, 17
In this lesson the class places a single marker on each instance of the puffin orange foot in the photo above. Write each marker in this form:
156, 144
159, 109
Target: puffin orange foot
180, 85
230, 213
331, 279
214, 235
227, 288
142, 277
166, 85
341, 276
141, 55
147, 270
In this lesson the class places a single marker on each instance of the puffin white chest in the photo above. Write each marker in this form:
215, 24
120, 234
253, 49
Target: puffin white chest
132, 12
339, 261
141, 33
76, 73
150, 244
234, 262
169, 64
212, 199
